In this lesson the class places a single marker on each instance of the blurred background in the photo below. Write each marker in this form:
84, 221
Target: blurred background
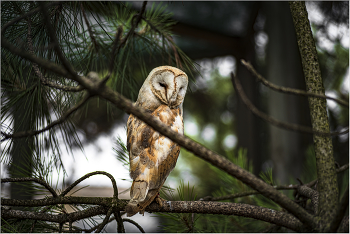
217, 35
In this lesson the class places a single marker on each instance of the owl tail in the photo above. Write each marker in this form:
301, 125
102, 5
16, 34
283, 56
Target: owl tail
139, 200
138, 193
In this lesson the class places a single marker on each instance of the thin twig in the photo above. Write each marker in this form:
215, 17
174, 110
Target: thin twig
343, 205
57, 48
115, 50
27, 179
133, 27
97, 226
4, 28
136, 224
170, 41
63, 118
115, 188
105, 221
60, 227
113, 54
36, 69
93, 39
273, 121
120, 224
289, 90
244, 194
338, 170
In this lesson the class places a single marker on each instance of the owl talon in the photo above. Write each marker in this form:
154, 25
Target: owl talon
159, 200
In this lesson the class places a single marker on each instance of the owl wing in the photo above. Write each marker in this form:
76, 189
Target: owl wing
152, 156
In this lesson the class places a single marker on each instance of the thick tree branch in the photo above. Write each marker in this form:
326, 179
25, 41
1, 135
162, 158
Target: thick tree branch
59, 218
26, 179
203, 207
289, 90
310, 193
63, 118
273, 121
58, 69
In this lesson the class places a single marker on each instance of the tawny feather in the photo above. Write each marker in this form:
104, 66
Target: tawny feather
153, 156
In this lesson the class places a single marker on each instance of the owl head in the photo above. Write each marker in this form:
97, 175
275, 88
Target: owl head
164, 85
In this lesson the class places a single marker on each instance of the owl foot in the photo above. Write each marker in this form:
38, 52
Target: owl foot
159, 200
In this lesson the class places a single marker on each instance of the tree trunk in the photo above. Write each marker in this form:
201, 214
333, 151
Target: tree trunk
326, 174
21, 164
248, 123
287, 148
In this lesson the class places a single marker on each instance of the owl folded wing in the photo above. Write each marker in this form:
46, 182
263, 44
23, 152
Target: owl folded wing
152, 157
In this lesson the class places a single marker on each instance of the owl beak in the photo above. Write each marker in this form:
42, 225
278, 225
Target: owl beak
170, 95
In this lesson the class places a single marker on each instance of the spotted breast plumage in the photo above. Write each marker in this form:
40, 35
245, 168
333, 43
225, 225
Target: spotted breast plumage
153, 156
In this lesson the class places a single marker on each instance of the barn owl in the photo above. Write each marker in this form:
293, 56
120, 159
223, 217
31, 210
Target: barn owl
153, 156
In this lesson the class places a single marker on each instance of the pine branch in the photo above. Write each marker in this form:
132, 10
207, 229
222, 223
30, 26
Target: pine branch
113, 54
115, 188
202, 207
310, 193
51, 66
279, 187
136, 224
105, 221
26, 179
115, 50
206, 154
23, 16
93, 87
59, 218
341, 211
44, 80
247, 193
93, 39
63, 118
294, 127
199, 150
289, 90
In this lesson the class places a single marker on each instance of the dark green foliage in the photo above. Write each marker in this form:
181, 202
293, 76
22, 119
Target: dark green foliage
86, 34
219, 223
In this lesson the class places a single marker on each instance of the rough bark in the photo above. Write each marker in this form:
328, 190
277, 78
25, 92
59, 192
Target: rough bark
104, 204
327, 179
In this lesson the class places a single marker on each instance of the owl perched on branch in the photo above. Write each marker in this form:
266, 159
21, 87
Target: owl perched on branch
153, 156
